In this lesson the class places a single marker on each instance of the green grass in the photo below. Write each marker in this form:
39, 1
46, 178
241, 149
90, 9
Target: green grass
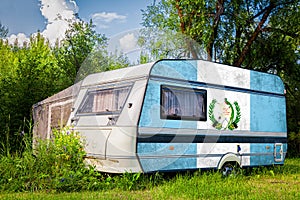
261, 183
57, 171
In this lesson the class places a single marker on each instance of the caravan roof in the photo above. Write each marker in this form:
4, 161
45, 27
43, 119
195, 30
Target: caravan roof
117, 75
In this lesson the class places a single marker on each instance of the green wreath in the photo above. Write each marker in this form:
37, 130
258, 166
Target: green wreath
232, 124
211, 115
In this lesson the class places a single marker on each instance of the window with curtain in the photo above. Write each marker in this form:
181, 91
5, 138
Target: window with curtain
105, 101
180, 103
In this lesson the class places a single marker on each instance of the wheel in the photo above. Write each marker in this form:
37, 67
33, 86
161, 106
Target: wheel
229, 169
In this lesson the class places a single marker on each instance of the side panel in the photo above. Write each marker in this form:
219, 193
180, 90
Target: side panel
268, 114
249, 118
266, 82
268, 154
268, 111
111, 144
167, 156
182, 156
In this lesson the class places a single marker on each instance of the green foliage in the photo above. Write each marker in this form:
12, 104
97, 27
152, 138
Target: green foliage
27, 76
37, 70
258, 183
99, 61
57, 165
80, 40
68, 147
227, 30
83, 52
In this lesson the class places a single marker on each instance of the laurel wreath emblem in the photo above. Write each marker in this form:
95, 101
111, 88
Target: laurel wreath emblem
234, 118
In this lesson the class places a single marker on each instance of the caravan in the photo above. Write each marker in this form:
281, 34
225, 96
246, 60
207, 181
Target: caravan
173, 115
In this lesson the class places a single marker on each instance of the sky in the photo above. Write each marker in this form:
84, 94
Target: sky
111, 17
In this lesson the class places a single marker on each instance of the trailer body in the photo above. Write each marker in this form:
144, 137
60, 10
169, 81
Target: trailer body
173, 115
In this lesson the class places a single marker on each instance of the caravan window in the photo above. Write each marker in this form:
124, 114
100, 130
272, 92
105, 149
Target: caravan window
105, 101
179, 103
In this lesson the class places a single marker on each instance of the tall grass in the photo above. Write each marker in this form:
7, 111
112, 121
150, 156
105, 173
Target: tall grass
261, 183
58, 167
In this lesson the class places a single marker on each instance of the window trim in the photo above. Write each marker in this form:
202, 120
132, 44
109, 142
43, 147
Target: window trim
95, 90
175, 117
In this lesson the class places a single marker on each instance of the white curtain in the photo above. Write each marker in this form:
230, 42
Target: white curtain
103, 101
185, 103
110, 100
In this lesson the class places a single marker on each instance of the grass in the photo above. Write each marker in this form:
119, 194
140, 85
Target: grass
261, 183
57, 172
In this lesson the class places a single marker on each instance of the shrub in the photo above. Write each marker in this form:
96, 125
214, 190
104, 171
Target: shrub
57, 165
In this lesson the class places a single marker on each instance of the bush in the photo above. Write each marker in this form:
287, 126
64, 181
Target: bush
57, 165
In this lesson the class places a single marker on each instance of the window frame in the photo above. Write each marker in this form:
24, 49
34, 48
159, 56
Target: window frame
183, 117
97, 90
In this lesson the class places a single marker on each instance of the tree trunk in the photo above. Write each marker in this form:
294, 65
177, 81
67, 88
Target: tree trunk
258, 29
219, 12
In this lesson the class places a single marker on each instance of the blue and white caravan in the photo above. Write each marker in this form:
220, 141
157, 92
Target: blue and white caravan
176, 115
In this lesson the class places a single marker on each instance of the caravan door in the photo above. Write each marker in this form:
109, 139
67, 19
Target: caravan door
97, 114
95, 140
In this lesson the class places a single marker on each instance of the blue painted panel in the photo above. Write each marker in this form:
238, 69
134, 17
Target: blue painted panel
267, 113
150, 115
168, 164
266, 82
263, 154
159, 156
179, 69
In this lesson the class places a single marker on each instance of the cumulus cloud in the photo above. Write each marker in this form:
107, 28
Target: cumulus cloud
103, 19
58, 14
128, 42
20, 37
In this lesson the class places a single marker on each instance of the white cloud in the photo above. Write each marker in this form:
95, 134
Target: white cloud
128, 42
21, 37
103, 19
58, 14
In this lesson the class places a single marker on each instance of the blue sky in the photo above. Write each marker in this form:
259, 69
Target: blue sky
111, 17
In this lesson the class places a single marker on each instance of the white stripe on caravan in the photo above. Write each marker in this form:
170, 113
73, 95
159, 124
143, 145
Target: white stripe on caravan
219, 74
220, 149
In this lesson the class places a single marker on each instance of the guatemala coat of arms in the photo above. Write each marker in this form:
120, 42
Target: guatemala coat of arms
224, 115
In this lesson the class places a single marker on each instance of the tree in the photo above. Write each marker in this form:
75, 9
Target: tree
83, 51
8, 66
79, 42
30, 74
225, 29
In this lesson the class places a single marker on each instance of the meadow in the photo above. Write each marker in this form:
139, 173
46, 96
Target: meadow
57, 171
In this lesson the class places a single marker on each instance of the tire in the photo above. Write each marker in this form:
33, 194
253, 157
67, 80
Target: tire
229, 169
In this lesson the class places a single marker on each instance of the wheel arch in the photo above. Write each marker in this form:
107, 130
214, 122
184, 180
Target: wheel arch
229, 157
